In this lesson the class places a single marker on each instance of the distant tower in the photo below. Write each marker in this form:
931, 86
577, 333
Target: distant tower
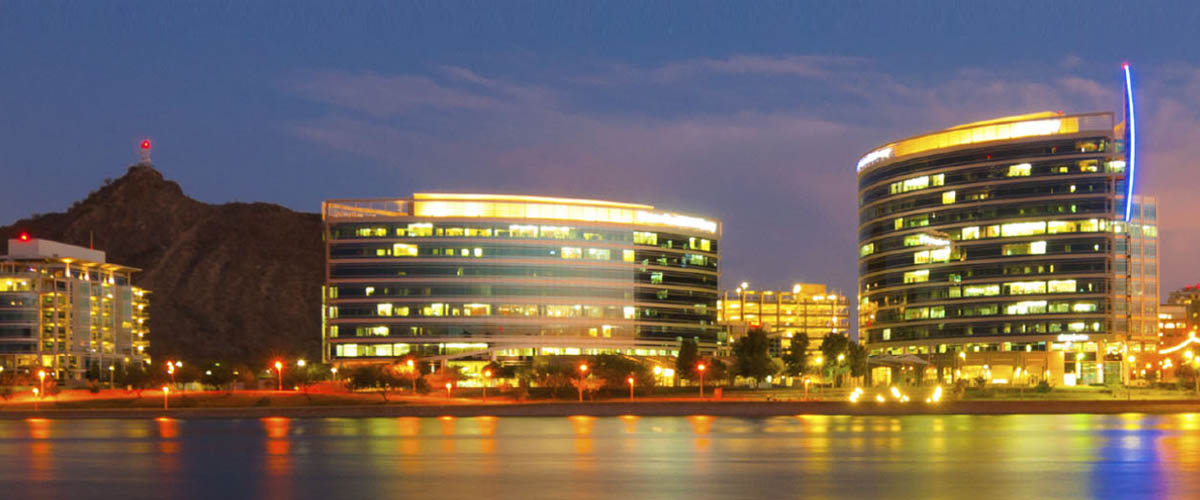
144, 151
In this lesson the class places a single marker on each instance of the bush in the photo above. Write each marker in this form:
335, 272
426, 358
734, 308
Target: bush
1043, 387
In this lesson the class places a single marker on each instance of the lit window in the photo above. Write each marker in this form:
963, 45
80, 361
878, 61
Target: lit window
1084, 307
629, 312
1020, 170
937, 180
970, 233
920, 276
1026, 307
643, 238
572, 252
383, 310
420, 229
599, 253
916, 313
404, 250
1025, 287
866, 250
1089, 165
948, 197
981, 290
1062, 286
627, 255
1023, 229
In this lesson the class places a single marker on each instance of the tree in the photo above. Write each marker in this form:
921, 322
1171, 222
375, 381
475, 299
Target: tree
553, 376
614, 370
715, 370
378, 378
834, 349
140, 377
751, 358
685, 363
858, 360
218, 376
795, 361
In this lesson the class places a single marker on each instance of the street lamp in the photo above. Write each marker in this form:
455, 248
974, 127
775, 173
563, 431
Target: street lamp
171, 371
37, 397
301, 363
334, 372
449, 386
112, 377
700, 368
487, 374
412, 367
279, 373
630, 380
583, 373
166, 391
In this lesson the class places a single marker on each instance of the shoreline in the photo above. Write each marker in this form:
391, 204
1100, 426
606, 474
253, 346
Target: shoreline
744, 409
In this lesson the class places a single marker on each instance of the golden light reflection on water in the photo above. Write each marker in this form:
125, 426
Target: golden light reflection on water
583, 425
630, 422
487, 429
279, 445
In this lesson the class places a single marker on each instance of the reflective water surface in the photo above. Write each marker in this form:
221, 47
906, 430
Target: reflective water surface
927, 457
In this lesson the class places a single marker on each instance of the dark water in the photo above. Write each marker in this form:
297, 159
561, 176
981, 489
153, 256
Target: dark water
926, 457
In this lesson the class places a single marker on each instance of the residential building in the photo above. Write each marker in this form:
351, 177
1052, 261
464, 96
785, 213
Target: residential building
477, 276
66, 310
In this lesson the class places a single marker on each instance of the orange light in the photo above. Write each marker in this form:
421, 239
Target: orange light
449, 385
630, 380
583, 368
41, 374
278, 366
166, 389
701, 367
410, 363
487, 373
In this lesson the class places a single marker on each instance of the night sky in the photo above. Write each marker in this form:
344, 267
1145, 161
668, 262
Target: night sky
751, 113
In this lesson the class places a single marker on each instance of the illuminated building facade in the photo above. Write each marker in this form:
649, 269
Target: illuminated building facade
66, 310
512, 277
1010, 249
1189, 298
807, 308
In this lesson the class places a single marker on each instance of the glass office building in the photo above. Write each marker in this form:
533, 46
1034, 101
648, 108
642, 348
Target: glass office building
1010, 249
64, 309
476, 275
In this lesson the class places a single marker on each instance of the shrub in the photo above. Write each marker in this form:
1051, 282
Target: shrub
1043, 387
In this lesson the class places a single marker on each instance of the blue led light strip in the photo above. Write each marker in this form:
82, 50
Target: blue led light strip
1132, 131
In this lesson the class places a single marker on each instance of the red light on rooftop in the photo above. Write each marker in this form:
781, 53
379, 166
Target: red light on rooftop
146, 144
24, 237
1125, 65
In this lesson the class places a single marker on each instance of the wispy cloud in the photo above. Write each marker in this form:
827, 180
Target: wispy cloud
765, 135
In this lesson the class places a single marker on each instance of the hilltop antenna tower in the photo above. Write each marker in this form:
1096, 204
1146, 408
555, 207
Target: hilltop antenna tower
144, 151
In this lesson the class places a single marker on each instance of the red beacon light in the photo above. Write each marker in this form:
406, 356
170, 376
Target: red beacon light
146, 144
24, 237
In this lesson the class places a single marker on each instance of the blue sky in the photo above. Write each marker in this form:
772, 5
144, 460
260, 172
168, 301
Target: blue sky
750, 112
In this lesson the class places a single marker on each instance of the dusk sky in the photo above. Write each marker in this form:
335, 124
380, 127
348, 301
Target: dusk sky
752, 113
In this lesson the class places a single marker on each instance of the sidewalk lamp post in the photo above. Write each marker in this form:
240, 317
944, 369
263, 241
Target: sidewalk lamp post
412, 368
166, 391
37, 396
171, 371
583, 372
42, 381
449, 389
841, 358
630, 380
700, 368
333, 372
112, 377
487, 374
279, 374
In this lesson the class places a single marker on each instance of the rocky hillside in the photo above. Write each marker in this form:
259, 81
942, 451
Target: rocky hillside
238, 282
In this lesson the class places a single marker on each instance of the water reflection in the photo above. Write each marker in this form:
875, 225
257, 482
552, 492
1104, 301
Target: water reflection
931, 457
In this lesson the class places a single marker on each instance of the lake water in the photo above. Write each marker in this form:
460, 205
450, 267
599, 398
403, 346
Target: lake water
926, 457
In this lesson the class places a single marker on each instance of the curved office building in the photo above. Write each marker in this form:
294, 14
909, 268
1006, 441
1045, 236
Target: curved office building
1000, 249
472, 275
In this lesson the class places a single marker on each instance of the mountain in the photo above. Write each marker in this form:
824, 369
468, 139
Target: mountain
235, 282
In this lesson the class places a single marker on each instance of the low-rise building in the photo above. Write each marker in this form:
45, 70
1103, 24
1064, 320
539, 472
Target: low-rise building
808, 308
66, 310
